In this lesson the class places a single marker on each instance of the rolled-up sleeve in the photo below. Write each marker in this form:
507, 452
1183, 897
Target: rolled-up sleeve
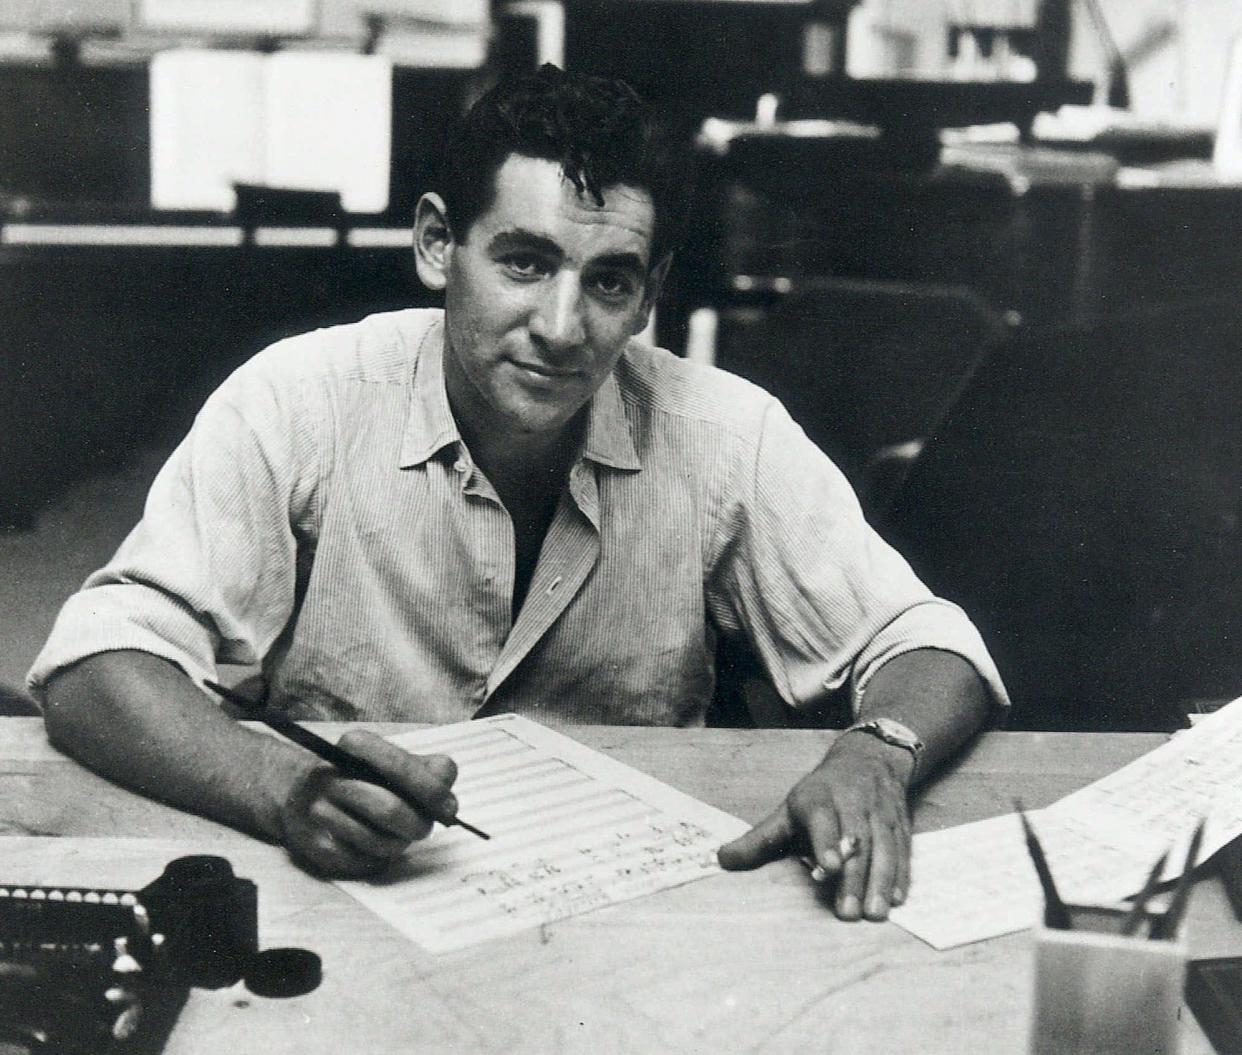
208, 575
822, 598
938, 624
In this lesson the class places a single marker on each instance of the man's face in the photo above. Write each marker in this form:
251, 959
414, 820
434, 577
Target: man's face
541, 295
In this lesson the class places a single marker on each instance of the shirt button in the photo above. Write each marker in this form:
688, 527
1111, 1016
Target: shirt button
460, 466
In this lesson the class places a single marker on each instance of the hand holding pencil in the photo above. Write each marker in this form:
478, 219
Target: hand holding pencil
342, 826
351, 820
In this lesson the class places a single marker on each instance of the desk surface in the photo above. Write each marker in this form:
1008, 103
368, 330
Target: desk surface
742, 962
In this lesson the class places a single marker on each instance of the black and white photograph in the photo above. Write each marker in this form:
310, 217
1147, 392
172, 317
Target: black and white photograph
659, 527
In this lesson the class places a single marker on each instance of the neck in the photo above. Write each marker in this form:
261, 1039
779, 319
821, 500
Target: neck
511, 457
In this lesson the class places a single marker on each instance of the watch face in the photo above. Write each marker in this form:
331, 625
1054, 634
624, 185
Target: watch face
895, 733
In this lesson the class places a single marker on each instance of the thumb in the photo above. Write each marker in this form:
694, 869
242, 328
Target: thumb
766, 841
441, 767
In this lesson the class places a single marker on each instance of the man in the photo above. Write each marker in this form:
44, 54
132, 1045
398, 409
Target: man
509, 505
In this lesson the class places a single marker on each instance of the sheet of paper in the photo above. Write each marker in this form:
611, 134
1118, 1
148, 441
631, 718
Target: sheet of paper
328, 125
976, 881
298, 120
206, 126
572, 830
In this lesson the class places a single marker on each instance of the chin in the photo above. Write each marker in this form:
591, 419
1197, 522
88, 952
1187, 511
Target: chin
529, 426
531, 414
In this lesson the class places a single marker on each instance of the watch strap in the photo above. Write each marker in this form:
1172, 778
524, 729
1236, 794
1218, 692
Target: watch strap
892, 732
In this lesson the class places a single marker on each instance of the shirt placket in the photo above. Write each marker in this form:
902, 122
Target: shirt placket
570, 552
491, 560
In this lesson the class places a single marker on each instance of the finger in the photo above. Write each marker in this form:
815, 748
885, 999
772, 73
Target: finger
882, 871
823, 832
308, 825
423, 780
766, 841
319, 851
901, 882
310, 838
383, 812
353, 834
853, 875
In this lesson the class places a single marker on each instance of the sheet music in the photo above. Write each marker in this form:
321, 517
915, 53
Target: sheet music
300, 120
976, 881
572, 830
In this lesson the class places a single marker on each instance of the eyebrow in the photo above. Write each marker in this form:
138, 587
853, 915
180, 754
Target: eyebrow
520, 238
622, 262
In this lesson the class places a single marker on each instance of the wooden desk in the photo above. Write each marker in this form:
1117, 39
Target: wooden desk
743, 962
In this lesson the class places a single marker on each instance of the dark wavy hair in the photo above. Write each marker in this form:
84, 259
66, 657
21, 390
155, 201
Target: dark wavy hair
597, 128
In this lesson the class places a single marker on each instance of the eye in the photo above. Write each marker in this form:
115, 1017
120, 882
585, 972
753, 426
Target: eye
614, 285
524, 265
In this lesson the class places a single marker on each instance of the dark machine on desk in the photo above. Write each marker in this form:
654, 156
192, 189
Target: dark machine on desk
98, 970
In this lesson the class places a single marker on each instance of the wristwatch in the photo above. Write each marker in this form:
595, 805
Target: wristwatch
891, 732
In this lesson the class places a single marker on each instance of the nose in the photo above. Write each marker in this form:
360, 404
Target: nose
557, 319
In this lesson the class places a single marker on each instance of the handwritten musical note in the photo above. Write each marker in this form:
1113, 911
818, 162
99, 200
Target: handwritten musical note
572, 830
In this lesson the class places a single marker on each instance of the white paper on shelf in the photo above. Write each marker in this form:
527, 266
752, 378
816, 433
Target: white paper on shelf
296, 120
207, 126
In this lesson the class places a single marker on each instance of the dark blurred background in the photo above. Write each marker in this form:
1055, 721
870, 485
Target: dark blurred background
986, 252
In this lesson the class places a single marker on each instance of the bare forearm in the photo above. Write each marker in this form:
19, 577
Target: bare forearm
936, 694
140, 721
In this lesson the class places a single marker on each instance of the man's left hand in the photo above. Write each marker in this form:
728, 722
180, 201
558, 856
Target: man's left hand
850, 815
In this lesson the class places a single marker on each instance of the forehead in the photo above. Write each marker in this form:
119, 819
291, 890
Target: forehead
532, 196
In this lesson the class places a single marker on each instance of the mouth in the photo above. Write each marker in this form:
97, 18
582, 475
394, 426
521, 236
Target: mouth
544, 372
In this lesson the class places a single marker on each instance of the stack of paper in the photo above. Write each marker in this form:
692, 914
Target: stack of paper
431, 34
227, 17
976, 881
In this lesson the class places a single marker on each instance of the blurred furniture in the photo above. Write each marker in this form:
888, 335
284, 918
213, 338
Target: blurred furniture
867, 368
76, 137
1050, 236
115, 319
1078, 307
746, 961
112, 334
795, 49
1083, 501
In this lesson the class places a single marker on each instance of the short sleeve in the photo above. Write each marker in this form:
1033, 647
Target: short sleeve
208, 574
822, 598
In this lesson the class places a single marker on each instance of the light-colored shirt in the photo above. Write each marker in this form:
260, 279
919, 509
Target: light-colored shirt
324, 518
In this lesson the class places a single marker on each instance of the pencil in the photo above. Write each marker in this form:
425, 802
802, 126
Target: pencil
1135, 916
1055, 913
349, 765
1167, 925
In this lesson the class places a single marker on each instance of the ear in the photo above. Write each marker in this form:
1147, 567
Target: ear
651, 293
433, 241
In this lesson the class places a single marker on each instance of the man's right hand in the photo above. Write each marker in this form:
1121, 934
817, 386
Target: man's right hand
344, 828
139, 720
